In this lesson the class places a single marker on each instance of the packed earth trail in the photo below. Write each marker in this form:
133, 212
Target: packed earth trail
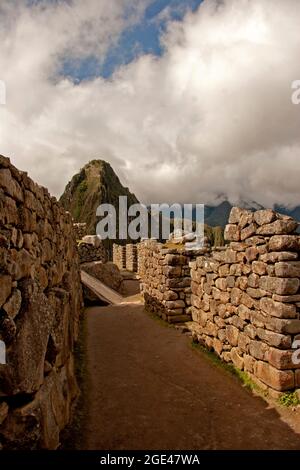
149, 389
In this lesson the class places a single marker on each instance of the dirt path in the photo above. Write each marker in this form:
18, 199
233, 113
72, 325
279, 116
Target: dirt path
149, 390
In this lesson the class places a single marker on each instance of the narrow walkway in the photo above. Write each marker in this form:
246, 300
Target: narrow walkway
150, 390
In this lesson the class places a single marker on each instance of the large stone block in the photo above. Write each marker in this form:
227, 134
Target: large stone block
258, 267
284, 243
278, 379
278, 309
287, 269
232, 233
278, 227
248, 231
265, 216
274, 339
10, 185
26, 356
281, 359
237, 359
5, 288
280, 286
258, 350
235, 215
232, 335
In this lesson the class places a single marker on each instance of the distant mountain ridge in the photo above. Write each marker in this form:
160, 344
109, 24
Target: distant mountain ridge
218, 215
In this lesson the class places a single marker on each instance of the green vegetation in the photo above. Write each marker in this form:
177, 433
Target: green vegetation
289, 399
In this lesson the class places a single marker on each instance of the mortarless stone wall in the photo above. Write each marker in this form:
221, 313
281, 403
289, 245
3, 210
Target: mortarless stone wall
80, 230
166, 281
245, 301
119, 256
40, 304
131, 258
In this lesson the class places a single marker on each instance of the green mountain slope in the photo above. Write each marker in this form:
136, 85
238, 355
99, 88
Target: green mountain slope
95, 184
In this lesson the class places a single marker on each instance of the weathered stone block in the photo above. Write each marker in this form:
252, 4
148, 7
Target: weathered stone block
258, 349
5, 288
280, 286
275, 339
277, 379
248, 231
251, 253
237, 360
281, 359
265, 216
13, 304
258, 267
287, 269
284, 243
221, 284
236, 295
277, 309
232, 335
278, 227
232, 233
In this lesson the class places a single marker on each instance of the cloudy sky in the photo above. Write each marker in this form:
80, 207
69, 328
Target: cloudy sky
189, 100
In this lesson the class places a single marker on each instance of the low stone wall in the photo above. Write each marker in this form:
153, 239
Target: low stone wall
80, 230
119, 256
40, 304
88, 253
166, 281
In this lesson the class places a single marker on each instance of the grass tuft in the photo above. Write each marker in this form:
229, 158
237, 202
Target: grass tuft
289, 399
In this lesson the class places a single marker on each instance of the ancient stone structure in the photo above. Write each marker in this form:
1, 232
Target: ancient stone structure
245, 301
119, 256
40, 304
80, 230
131, 258
89, 251
108, 273
166, 281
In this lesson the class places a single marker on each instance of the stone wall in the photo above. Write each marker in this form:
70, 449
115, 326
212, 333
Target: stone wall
40, 304
166, 281
88, 253
119, 256
80, 230
131, 258
245, 301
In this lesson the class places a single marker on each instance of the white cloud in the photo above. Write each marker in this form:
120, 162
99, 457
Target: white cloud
212, 116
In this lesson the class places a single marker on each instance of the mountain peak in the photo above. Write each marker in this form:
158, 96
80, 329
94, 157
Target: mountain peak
96, 183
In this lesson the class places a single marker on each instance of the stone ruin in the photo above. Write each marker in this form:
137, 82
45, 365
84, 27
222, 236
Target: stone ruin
40, 305
80, 230
243, 299
126, 257
91, 248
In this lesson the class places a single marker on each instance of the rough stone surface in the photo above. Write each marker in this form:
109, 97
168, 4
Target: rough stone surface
40, 304
245, 298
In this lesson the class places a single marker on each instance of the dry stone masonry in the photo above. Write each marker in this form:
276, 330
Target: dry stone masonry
245, 298
245, 301
80, 230
166, 281
119, 256
131, 258
40, 304
91, 248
